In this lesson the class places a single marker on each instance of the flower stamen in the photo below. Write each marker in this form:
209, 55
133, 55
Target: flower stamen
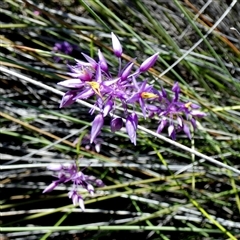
147, 95
96, 88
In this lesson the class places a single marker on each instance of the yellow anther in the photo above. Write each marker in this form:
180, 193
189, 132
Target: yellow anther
188, 105
148, 95
95, 87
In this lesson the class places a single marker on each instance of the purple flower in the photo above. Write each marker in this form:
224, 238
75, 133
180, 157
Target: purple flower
143, 92
175, 114
149, 62
70, 173
63, 47
94, 79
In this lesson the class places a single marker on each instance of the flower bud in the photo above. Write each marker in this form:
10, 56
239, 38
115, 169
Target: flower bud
126, 71
116, 124
117, 48
149, 62
102, 61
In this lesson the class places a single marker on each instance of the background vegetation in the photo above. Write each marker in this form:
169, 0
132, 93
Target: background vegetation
156, 190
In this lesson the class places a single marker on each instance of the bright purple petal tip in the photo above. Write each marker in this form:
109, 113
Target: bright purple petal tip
117, 47
50, 187
149, 62
102, 61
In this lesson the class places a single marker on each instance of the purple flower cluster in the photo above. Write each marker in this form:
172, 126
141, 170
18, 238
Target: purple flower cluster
175, 114
70, 172
63, 47
93, 78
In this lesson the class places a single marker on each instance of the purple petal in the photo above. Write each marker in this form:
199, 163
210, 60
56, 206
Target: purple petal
131, 126
81, 64
149, 62
57, 47
90, 189
69, 166
90, 60
74, 198
99, 183
99, 74
116, 124
70, 194
143, 107
164, 93
176, 87
71, 83
85, 75
97, 125
197, 113
176, 90
152, 108
98, 147
187, 131
180, 121
142, 88
107, 108
194, 106
162, 125
86, 93
135, 119
54, 167
68, 98
81, 203
51, 186
126, 72
66, 47
193, 122
171, 132
102, 61
135, 97
117, 47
